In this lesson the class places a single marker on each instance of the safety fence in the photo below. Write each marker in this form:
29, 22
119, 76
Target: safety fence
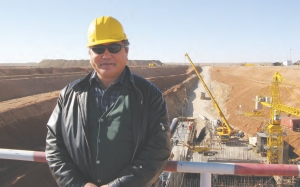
206, 169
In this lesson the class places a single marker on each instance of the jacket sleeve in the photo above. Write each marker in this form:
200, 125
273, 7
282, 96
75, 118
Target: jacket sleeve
60, 163
153, 155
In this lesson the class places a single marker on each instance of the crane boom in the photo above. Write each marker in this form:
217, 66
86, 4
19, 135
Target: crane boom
281, 107
224, 132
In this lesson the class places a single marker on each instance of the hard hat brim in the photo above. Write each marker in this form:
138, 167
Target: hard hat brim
104, 42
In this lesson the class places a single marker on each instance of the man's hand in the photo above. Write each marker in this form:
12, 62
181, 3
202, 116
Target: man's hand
90, 185
105, 185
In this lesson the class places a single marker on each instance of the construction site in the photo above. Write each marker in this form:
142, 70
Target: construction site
221, 113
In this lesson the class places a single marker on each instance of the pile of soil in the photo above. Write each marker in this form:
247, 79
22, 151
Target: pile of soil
86, 63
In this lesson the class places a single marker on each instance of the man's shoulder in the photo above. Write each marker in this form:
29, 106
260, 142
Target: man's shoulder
141, 81
144, 84
138, 78
77, 85
70, 86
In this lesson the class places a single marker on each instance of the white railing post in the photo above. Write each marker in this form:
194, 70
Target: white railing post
205, 179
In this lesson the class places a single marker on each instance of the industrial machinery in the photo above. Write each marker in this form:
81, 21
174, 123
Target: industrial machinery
152, 64
200, 149
205, 150
274, 131
225, 131
202, 95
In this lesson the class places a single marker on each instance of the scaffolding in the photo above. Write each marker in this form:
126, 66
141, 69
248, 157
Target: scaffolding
193, 180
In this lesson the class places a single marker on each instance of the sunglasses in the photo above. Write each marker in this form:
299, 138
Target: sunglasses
112, 48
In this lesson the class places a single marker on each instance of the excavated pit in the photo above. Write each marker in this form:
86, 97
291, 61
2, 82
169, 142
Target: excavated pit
29, 94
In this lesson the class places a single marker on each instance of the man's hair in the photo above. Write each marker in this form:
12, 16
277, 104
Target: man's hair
125, 42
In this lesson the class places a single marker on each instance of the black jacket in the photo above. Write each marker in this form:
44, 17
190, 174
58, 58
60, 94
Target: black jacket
67, 148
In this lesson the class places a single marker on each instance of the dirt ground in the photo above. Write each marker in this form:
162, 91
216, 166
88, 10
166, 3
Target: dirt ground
28, 96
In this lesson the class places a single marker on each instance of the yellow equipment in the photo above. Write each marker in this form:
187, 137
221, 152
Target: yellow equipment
225, 131
151, 64
105, 29
203, 149
200, 149
246, 64
274, 131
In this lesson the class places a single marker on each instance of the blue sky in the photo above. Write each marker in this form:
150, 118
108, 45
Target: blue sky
209, 30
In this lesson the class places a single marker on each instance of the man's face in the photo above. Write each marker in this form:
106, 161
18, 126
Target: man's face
109, 65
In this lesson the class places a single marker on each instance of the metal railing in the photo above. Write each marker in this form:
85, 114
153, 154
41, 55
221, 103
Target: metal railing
205, 168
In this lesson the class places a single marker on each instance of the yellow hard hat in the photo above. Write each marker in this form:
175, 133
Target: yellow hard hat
105, 29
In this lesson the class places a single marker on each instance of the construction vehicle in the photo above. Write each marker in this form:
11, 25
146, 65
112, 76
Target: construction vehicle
225, 131
247, 64
200, 149
152, 64
202, 95
205, 150
274, 130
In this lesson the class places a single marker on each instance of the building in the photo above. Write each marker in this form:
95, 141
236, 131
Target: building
287, 63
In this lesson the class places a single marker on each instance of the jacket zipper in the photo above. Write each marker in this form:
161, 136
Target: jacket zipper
90, 158
137, 143
110, 109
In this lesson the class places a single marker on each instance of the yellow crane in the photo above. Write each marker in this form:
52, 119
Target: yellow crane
225, 131
273, 130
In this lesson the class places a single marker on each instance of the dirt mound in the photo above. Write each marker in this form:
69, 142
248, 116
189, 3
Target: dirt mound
22, 126
31, 81
175, 96
21, 82
86, 63
18, 64
32, 71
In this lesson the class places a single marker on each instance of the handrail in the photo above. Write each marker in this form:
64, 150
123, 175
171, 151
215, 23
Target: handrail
182, 166
205, 168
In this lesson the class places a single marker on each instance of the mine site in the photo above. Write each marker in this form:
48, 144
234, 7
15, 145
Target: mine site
232, 113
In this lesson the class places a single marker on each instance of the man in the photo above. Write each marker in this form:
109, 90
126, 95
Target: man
109, 128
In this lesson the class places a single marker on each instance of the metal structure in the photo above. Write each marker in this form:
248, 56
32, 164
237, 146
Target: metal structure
294, 161
273, 130
225, 131
205, 168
